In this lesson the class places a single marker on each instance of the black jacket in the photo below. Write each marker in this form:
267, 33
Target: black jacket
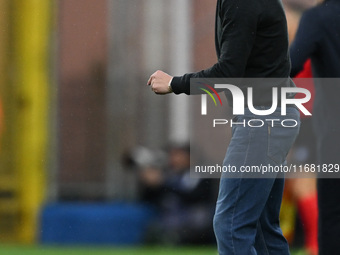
251, 41
318, 38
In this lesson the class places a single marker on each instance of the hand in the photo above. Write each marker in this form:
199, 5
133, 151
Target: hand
159, 82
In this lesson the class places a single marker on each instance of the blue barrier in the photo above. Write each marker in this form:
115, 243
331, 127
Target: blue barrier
75, 223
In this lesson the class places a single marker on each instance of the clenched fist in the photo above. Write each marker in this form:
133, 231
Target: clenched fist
160, 82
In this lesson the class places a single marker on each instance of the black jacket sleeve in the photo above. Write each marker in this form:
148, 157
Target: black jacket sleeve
306, 41
238, 23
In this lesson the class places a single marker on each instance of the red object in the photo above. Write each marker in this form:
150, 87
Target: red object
308, 210
304, 80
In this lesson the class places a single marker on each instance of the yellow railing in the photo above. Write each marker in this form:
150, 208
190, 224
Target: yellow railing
26, 108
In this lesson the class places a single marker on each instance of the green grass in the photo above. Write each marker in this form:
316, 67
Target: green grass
65, 250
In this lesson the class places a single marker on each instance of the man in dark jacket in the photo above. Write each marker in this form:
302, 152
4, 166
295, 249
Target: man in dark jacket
251, 41
318, 38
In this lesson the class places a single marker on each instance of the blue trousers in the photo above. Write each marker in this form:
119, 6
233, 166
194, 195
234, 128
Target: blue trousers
246, 220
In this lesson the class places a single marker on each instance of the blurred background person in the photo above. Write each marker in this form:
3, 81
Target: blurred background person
302, 188
185, 205
318, 38
300, 191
